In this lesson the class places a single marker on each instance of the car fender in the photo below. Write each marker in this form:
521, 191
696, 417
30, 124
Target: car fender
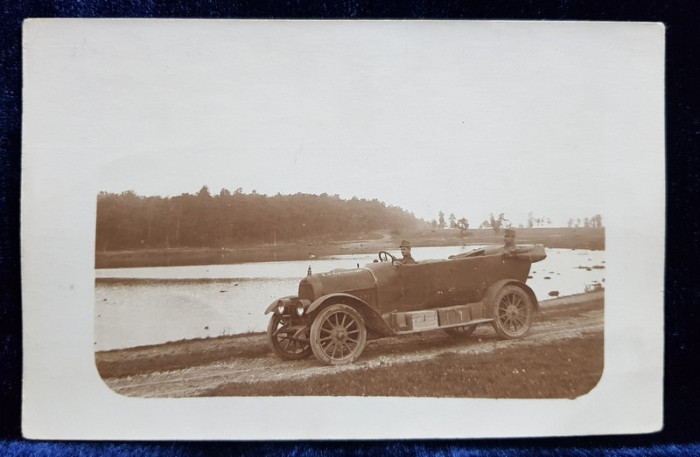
373, 320
273, 305
494, 288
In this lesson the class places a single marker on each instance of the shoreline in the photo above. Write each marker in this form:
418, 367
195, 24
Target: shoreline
562, 238
552, 303
573, 299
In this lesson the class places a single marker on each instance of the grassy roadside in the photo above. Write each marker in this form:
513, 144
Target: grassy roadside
561, 237
180, 354
565, 369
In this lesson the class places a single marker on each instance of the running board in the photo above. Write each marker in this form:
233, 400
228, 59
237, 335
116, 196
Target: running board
441, 327
434, 319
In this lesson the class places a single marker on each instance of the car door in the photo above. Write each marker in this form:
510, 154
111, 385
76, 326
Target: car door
415, 285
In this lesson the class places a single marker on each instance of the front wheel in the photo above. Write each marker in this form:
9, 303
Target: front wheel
512, 312
338, 335
289, 343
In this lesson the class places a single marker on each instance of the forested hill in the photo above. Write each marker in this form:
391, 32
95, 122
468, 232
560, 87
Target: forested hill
130, 221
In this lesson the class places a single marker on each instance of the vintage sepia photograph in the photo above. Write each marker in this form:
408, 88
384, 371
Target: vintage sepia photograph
339, 303
329, 211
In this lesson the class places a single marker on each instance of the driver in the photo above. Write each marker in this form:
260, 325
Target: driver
405, 247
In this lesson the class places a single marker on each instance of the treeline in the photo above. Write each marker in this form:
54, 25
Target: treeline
129, 221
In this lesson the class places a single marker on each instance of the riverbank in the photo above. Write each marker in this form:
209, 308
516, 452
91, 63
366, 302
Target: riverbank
560, 237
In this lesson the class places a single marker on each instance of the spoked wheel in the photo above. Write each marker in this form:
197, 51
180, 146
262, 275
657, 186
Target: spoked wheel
289, 343
338, 335
464, 331
512, 312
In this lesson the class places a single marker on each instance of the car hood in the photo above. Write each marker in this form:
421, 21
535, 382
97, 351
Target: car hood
334, 281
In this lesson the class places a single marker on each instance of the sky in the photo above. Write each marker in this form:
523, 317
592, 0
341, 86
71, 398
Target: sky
469, 118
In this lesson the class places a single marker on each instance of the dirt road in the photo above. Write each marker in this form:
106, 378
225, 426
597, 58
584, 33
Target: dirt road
192, 368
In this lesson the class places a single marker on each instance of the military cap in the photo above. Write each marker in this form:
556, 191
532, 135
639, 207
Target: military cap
405, 244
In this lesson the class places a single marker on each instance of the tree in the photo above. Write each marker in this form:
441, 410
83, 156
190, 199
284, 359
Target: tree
128, 221
204, 192
498, 223
441, 220
463, 225
453, 221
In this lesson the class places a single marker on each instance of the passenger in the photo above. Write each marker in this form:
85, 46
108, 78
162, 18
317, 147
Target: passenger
509, 248
405, 247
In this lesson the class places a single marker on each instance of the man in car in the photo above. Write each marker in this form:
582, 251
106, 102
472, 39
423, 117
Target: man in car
509, 248
405, 247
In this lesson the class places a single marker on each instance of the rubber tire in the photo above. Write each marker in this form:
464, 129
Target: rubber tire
462, 332
276, 344
512, 312
332, 325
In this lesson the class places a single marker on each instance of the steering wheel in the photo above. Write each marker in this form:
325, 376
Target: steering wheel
385, 256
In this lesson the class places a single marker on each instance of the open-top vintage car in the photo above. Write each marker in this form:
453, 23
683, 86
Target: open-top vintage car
335, 313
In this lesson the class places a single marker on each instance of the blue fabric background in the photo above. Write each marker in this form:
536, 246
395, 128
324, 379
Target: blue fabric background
681, 435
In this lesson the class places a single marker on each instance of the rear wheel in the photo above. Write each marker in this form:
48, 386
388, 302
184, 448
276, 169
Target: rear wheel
512, 316
464, 331
338, 335
289, 343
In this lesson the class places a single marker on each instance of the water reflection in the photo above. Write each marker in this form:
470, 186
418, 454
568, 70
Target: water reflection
138, 306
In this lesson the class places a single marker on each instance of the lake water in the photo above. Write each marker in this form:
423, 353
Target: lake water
140, 306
